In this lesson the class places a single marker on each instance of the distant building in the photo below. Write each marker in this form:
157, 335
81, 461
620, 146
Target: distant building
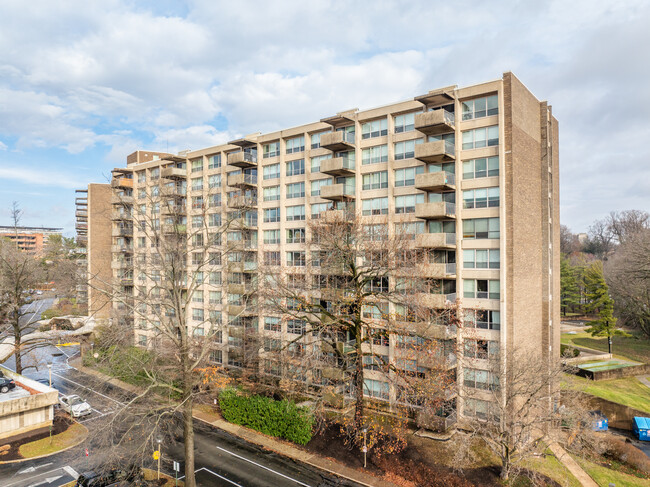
29, 239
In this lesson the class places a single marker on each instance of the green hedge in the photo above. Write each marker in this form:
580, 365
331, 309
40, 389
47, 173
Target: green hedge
282, 419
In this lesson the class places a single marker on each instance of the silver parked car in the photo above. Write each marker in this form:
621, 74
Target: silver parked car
74, 405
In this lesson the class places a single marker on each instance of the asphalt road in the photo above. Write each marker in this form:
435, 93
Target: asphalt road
221, 459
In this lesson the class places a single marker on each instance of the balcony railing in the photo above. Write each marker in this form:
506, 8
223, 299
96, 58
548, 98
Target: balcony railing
122, 183
337, 141
436, 151
435, 181
435, 211
173, 173
337, 192
435, 240
434, 122
239, 180
338, 166
244, 158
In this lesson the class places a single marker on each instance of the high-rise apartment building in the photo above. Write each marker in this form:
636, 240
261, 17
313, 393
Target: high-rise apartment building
473, 171
29, 239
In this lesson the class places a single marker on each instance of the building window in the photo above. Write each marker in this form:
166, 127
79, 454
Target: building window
215, 297
197, 165
408, 230
295, 235
481, 258
197, 184
296, 190
294, 168
296, 144
271, 215
480, 107
480, 379
214, 162
376, 128
197, 221
375, 180
316, 162
405, 123
197, 314
406, 176
272, 237
154, 173
482, 318
481, 288
214, 278
481, 349
297, 327
380, 337
374, 206
481, 198
214, 219
214, 181
296, 259
272, 258
406, 149
481, 137
271, 150
375, 388
481, 168
318, 184
374, 155
406, 204
295, 213
142, 340
272, 323
214, 200
479, 228
272, 171
271, 193
142, 177
317, 209
216, 356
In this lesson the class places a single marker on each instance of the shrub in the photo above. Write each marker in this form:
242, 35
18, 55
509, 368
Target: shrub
282, 419
566, 350
50, 313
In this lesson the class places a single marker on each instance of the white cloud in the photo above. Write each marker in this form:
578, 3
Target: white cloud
3, 146
41, 177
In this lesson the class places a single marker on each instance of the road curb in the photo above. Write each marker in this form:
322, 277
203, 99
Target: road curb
302, 457
85, 436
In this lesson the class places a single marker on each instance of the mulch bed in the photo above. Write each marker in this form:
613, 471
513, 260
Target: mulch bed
404, 468
10, 451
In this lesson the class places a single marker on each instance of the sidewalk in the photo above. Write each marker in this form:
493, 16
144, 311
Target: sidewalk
571, 465
278, 446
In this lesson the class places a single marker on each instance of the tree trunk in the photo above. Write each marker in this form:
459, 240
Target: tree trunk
188, 431
358, 386
17, 347
505, 465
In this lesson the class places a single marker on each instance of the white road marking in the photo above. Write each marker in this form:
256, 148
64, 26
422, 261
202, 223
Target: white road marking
71, 471
264, 467
21, 481
88, 388
217, 475
32, 469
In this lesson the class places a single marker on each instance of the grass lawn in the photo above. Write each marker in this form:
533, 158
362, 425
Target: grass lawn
635, 348
70, 437
554, 469
628, 391
605, 476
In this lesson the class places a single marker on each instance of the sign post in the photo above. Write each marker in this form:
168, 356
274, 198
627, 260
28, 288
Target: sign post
156, 456
87, 460
177, 467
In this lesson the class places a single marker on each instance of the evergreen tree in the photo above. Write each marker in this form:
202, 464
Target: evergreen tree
569, 286
601, 302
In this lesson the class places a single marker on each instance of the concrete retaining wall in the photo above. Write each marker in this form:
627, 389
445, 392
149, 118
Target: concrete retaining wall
619, 416
615, 373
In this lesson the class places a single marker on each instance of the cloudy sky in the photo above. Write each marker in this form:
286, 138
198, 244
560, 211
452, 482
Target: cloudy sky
83, 84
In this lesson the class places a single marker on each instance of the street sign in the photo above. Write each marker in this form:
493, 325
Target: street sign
86, 451
156, 455
177, 467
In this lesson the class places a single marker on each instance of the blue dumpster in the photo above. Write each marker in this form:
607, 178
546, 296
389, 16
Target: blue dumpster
641, 428
600, 422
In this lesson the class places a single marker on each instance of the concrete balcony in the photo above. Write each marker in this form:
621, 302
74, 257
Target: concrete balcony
243, 159
435, 122
173, 210
441, 332
175, 173
438, 300
122, 231
122, 249
121, 264
337, 192
243, 180
436, 151
241, 288
242, 202
122, 199
338, 166
174, 228
121, 215
122, 182
435, 211
239, 310
436, 240
437, 270
173, 191
435, 181
337, 141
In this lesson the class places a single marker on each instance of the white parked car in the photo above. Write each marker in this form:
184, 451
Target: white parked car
74, 405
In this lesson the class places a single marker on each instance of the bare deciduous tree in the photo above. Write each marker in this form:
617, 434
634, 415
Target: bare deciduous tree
358, 285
